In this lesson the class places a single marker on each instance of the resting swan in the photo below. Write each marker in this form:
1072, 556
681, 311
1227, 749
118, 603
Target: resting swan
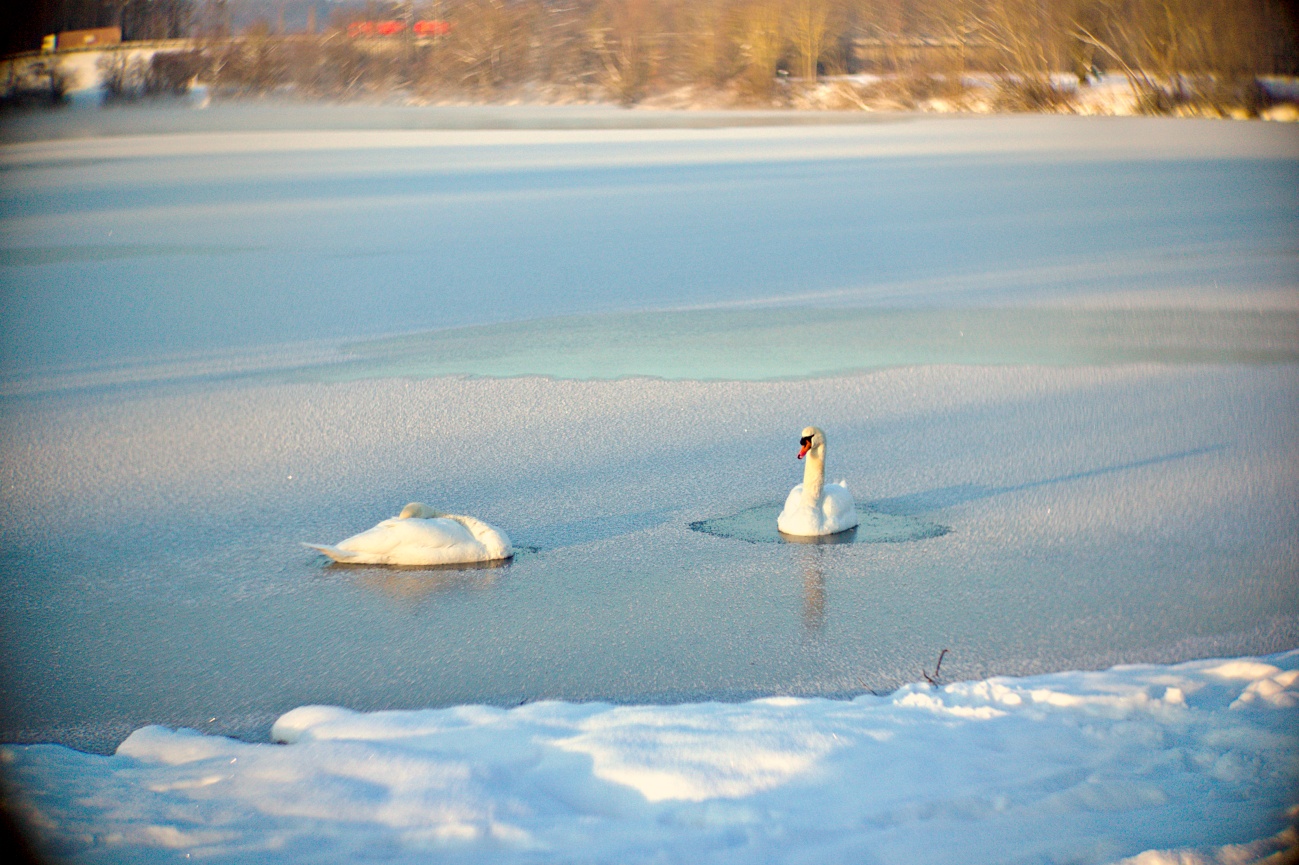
813, 508
420, 535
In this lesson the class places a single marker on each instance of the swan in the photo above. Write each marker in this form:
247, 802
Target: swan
813, 508
420, 535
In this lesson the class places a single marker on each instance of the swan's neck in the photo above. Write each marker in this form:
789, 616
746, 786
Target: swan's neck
814, 476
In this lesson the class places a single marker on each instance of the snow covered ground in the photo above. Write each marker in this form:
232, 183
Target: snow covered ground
1070, 767
1069, 343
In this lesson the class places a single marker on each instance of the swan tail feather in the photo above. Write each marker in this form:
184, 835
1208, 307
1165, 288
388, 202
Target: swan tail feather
333, 552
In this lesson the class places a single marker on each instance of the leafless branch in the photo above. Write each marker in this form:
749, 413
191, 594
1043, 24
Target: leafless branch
933, 680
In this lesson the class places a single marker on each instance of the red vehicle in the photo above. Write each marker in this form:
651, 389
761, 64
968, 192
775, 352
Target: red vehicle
432, 28
358, 29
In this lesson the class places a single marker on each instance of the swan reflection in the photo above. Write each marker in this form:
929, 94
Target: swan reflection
411, 586
846, 537
813, 591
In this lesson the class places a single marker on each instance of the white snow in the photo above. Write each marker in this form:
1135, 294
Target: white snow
1085, 767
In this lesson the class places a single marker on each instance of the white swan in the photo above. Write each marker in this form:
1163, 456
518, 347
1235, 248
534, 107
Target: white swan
813, 508
420, 535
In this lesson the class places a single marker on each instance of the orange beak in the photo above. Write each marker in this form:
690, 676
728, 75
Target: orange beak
807, 447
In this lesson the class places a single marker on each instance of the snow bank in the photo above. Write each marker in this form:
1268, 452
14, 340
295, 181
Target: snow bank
1083, 767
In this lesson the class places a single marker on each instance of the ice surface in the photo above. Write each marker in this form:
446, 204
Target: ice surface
1098, 515
1076, 767
124, 248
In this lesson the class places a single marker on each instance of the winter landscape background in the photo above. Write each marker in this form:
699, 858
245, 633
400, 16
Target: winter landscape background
1068, 343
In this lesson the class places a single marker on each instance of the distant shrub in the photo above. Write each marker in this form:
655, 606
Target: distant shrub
171, 73
1212, 95
255, 65
37, 84
121, 76
1030, 94
1244, 94
912, 91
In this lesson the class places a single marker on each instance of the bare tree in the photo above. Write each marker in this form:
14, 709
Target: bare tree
808, 23
155, 19
483, 44
761, 43
212, 19
708, 42
121, 76
623, 35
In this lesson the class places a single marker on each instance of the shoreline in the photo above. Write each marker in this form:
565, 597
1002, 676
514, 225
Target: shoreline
85, 114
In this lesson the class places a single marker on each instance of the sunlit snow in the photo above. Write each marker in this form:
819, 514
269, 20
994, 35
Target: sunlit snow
1078, 767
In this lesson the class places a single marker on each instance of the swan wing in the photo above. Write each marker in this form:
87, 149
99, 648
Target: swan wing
836, 512
437, 532
494, 541
839, 508
797, 518
412, 541
442, 540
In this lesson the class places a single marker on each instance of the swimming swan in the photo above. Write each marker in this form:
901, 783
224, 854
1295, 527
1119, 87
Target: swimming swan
420, 535
813, 508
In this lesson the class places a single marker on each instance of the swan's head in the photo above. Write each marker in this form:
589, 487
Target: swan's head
415, 509
811, 439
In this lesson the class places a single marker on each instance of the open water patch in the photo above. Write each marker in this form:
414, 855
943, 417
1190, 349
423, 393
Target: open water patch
795, 342
766, 344
757, 525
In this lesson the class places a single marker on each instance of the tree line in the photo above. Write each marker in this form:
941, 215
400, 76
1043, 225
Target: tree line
1172, 51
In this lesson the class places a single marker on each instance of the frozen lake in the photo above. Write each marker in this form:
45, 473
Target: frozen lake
1070, 344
